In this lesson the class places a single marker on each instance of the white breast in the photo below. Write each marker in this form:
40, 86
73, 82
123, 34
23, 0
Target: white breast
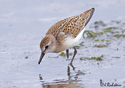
70, 41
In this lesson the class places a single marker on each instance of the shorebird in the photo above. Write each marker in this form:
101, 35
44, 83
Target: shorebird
65, 34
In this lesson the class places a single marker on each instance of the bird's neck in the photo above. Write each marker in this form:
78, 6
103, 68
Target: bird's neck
56, 44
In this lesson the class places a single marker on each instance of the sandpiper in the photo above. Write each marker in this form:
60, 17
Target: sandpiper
65, 34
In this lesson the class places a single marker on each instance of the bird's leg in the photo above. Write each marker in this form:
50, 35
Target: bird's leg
75, 51
67, 53
72, 66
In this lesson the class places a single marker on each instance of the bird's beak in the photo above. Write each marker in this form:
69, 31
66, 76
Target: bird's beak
42, 55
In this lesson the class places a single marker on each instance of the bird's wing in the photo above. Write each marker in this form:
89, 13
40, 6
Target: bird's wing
72, 25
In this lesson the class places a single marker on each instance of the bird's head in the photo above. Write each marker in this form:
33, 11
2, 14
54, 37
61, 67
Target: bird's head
47, 45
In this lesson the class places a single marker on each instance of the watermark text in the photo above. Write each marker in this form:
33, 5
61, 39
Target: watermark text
109, 84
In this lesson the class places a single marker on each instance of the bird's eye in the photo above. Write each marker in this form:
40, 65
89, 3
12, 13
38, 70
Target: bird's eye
46, 47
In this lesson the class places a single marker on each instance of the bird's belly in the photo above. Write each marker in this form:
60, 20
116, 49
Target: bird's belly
70, 41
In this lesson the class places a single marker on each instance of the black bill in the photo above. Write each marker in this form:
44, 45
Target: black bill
42, 55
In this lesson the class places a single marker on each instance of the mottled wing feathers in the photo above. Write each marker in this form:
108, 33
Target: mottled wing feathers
72, 25
54, 29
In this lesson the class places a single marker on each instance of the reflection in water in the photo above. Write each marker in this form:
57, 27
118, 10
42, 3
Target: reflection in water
71, 82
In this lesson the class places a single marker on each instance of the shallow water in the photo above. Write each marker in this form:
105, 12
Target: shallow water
24, 23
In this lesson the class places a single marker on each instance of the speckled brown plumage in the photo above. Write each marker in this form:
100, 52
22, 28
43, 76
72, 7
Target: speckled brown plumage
72, 25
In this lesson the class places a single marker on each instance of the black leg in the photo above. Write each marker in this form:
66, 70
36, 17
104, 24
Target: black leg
67, 53
75, 51
72, 66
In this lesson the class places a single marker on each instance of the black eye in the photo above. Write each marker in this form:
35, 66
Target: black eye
46, 47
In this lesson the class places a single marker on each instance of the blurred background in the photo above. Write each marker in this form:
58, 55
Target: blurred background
23, 23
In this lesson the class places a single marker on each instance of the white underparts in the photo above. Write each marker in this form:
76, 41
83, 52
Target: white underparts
70, 41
